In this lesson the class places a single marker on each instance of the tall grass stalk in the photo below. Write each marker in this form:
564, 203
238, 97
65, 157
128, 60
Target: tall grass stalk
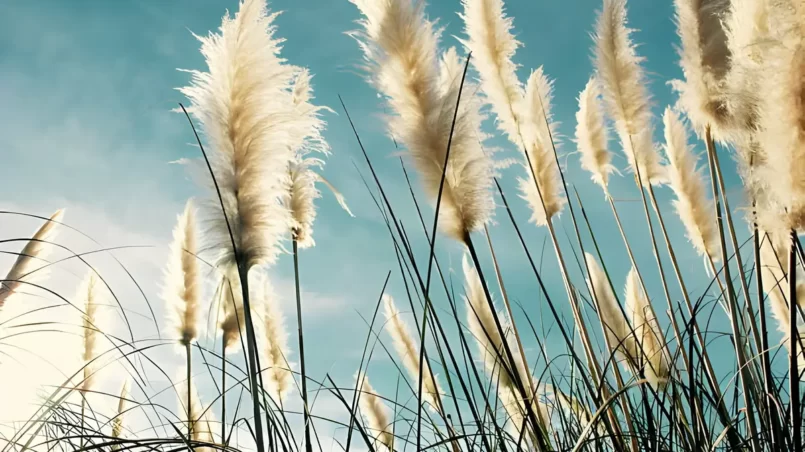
306, 408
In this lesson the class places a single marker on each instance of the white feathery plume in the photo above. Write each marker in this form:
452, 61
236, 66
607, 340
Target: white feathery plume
122, 406
654, 359
274, 349
28, 267
199, 419
705, 61
88, 294
782, 124
591, 135
245, 106
181, 284
619, 334
624, 90
377, 416
408, 351
302, 192
538, 130
490, 39
774, 253
692, 205
231, 316
401, 44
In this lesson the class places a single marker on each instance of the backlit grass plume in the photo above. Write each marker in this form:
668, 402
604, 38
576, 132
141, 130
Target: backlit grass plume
705, 60
88, 294
624, 90
653, 359
199, 420
489, 37
774, 249
245, 106
181, 288
377, 416
231, 317
401, 47
408, 351
541, 187
591, 135
692, 205
616, 328
277, 375
29, 265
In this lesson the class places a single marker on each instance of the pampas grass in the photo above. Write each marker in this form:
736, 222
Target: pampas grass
407, 350
616, 328
231, 317
624, 90
401, 47
118, 423
653, 349
377, 416
705, 61
88, 294
541, 188
28, 267
181, 288
692, 204
274, 344
592, 137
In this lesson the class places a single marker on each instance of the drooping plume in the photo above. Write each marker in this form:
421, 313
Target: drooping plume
619, 334
653, 358
624, 89
181, 285
591, 135
231, 316
490, 39
692, 205
88, 296
408, 350
540, 187
274, 344
377, 417
244, 102
30, 264
401, 47
705, 61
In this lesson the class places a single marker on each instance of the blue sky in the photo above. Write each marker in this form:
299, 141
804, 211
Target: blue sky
86, 92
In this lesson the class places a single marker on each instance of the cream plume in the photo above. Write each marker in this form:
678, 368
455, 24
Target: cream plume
705, 61
122, 407
624, 90
28, 267
591, 135
774, 253
88, 294
653, 359
782, 129
377, 416
490, 39
692, 205
181, 285
231, 316
408, 350
619, 334
400, 44
274, 349
539, 134
245, 105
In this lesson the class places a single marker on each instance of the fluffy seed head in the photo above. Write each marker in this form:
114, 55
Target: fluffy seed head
538, 129
692, 204
377, 416
88, 296
624, 90
244, 102
28, 267
408, 350
421, 90
619, 334
181, 286
592, 136
274, 348
653, 357
122, 406
231, 316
